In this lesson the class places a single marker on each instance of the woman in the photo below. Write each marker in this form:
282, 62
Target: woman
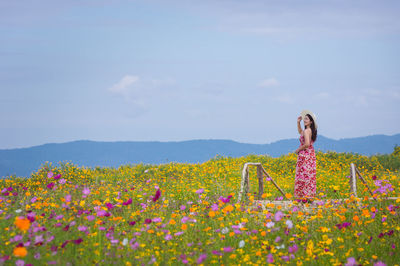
305, 181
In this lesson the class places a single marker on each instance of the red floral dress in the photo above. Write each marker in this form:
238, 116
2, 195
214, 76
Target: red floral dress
305, 184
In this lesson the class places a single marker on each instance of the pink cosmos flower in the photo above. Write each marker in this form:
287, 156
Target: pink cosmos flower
50, 174
278, 216
199, 191
351, 262
214, 207
270, 258
157, 195
128, 202
228, 249
86, 191
201, 258
68, 198
82, 228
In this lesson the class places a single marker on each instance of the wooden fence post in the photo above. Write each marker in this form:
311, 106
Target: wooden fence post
353, 180
260, 182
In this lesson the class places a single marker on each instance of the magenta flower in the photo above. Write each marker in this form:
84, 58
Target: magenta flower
214, 207
225, 200
90, 218
278, 216
157, 195
293, 249
270, 258
379, 263
50, 174
128, 202
68, 198
199, 191
228, 249
374, 177
109, 205
57, 177
351, 262
20, 263
50, 186
86, 191
132, 223
216, 252
101, 213
182, 207
201, 258
78, 241
82, 228
147, 221
184, 219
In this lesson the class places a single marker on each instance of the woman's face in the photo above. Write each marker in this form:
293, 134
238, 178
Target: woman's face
307, 121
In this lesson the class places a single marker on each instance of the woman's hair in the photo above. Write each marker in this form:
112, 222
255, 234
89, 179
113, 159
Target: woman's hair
313, 129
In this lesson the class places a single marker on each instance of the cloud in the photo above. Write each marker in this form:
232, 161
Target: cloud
124, 86
266, 83
141, 93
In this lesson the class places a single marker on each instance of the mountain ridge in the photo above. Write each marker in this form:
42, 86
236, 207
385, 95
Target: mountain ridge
23, 161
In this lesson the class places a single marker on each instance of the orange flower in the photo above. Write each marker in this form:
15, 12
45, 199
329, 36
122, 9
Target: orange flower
184, 226
20, 252
355, 218
211, 213
22, 223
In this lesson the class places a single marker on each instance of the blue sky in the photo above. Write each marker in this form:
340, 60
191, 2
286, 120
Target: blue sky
180, 70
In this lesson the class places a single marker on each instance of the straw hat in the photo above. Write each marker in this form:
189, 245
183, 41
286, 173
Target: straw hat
305, 112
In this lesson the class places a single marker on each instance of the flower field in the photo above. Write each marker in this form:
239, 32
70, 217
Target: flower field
188, 214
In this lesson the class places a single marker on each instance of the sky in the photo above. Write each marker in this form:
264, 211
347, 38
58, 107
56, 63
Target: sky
160, 70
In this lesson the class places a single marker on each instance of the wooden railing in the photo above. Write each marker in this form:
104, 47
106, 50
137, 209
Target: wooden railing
244, 186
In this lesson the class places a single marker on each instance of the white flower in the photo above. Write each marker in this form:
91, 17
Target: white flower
241, 243
281, 246
125, 242
289, 224
270, 224
225, 230
18, 211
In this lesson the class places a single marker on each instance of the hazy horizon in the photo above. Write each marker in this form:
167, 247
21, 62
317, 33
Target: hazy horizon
77, 140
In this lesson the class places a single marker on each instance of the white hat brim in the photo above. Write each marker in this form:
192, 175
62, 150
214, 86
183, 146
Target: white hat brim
305, 112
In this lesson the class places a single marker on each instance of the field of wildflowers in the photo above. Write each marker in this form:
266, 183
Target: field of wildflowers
188, 214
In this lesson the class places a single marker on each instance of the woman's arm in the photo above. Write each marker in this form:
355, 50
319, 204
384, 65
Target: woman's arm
298, 125
307, 140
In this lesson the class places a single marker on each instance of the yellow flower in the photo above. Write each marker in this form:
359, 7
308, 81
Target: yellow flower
310, 248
